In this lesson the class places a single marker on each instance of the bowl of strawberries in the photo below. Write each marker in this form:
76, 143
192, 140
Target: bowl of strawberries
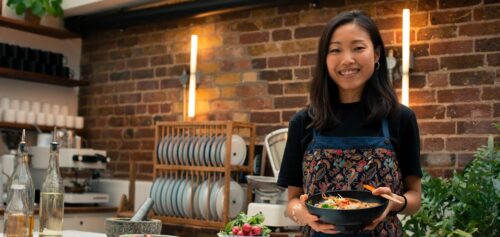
244, 225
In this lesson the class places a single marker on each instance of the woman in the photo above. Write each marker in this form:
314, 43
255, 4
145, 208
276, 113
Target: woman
354, 132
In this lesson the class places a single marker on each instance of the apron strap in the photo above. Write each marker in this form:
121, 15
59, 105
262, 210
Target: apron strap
385, 128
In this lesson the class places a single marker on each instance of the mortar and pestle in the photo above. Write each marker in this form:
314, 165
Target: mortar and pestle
138, 224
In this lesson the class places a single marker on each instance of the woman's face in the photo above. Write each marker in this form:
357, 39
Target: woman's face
351, 60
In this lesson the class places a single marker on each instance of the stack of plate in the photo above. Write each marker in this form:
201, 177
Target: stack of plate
200, 150
187, 198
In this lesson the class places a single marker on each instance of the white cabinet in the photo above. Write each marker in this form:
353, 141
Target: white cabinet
91, 222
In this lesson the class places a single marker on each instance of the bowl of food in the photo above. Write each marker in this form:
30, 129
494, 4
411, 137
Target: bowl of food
119, 226
347, 210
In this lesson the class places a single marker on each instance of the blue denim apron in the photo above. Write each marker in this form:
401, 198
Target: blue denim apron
346, 163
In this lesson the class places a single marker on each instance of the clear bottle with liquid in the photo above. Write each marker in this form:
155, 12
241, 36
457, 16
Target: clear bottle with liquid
16, 215
52, 196
22, 176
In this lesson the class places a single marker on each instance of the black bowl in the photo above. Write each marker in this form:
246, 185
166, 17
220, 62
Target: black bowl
348, 220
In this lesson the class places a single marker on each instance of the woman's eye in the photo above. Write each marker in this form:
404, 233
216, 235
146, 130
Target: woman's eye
334, 50
359, 48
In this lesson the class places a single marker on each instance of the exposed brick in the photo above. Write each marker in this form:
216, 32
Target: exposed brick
161, 60
271, 23
119, 76
259, 63
257, 103
429, 111
425, 65
130, 98
457, 3
160, 72
433, 144
283, 61
457, 62
291, 20
476, 127
468, 111
143, 73
437, 79
290, 102
252, 38
127, 42
422, 97
153, 96
493, 59
479, 29
296, 88
279, 35
450, 17
302, 73
245, 26
147, 85
275, 89
389, 23
438, 160
472, 78
228, 78
431, 128
486, 45
487, 13
263, 50
451, 47
308, 59
140, 121
308, 31
263, 130
276, 75
117, 122
153, 108
458, 95
464, 159
491, 93
464, 143
286, 115
170, 83
388, 37
108, 100
496, 110
437, 33
253, 89
265, 117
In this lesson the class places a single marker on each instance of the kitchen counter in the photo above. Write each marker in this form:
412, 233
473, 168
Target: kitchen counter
72, 233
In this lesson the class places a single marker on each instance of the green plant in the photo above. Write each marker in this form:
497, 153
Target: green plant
37, 7
467, 204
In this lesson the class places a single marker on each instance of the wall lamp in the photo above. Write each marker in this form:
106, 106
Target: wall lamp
407, 60
193, 79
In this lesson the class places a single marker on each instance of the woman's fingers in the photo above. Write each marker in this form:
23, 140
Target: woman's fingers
325, 228
382, 190
303, 198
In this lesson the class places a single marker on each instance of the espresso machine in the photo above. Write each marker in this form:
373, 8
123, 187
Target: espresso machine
80, 167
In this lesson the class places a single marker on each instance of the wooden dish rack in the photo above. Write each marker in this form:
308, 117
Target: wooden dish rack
196, 174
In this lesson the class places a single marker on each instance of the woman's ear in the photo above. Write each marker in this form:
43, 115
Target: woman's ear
377, 54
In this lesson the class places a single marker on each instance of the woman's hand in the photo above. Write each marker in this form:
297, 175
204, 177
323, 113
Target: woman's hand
391, 206
302, 216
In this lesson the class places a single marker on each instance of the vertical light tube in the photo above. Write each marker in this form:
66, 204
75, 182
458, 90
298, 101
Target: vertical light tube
405, 87
192, 76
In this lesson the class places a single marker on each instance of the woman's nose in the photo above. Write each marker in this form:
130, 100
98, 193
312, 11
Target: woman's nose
348, 59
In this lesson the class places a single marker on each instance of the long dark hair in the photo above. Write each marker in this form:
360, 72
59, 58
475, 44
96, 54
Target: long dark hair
378, 96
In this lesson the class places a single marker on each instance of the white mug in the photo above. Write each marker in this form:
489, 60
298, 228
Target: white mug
20, 116
40, 119
35, 107
14, 104
46, 108
60, 120
49, 120
25, 105
30, 117
70, 121
64, 110
9, 115
5, 103
79, 122
44, 139
56, 109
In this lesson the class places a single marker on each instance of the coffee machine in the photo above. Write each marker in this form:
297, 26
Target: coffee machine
79, 168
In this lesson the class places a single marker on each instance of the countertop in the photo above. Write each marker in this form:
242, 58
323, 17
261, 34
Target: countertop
73, 233
80, 209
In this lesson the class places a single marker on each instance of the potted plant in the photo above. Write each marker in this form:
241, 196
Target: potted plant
468, 204
35, 9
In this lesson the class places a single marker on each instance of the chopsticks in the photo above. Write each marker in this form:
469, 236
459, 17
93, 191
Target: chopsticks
371, 188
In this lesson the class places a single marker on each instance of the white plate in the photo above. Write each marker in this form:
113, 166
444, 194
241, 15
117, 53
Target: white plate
218, 158
175, 191
236, 201
185, 150
163, 203
238, 150
158, 195
164, 150
196, 205
159, 151
192, 146
196, 151
203, 200
168, 198
213, 151
179, 196
208, 148
187, 198
213, 195
170, 151
152, 194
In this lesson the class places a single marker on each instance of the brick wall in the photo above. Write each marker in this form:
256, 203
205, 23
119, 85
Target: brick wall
255, 66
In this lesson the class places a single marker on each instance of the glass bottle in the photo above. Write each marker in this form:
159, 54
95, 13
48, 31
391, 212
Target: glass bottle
17, 216
52, 196
22, 176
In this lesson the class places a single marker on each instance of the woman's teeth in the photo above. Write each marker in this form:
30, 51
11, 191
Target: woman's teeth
349, 72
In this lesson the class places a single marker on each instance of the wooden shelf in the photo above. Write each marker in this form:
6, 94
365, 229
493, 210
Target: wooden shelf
40, 78
29, 127
37, 29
